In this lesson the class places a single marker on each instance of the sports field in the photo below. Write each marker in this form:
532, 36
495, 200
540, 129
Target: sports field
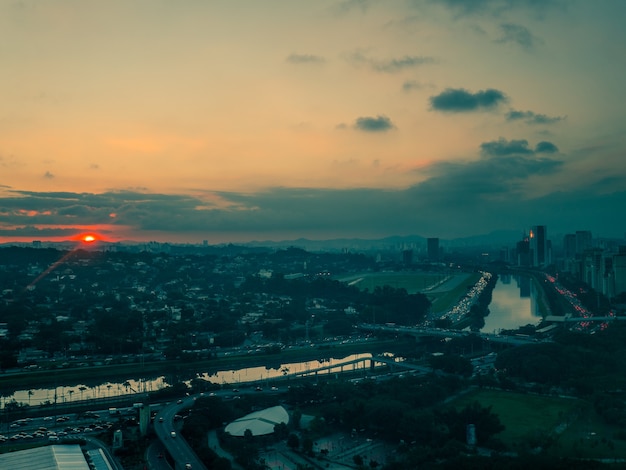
566, 427
443, 290
413, 282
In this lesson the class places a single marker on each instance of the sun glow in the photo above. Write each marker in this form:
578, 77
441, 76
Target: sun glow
88, 238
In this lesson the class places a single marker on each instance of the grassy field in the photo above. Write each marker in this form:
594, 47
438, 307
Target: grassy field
442, 301
413, 282
572, 425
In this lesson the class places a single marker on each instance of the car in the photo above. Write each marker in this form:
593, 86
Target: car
173, 433
188, 466
179, 401
160, 419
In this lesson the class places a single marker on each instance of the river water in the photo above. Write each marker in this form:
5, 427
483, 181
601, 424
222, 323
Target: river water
513, 304
66, 394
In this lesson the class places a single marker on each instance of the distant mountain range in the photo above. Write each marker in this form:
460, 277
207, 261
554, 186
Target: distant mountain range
394, 243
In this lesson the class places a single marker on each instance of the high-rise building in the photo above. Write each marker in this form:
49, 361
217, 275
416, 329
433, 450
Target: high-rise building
569, 246
583, 242
539, 246
433, 249
619, 270
522, 251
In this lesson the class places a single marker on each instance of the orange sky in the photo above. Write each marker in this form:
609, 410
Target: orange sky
221, 114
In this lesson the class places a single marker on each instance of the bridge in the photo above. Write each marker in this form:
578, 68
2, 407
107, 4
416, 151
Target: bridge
445, 333
572, 319
355, 365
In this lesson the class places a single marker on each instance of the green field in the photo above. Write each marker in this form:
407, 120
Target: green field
412, 282
442, 301
569, 426
415, 282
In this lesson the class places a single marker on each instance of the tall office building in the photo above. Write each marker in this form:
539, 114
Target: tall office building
433, 249
539, 246
619, 269
569, 246
583, 242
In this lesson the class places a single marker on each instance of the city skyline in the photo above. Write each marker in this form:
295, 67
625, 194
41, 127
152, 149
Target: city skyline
282, 120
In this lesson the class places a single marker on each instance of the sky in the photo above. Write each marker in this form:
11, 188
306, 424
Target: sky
240, 120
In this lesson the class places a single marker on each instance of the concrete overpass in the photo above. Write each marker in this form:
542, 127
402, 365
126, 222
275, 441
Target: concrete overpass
418, 331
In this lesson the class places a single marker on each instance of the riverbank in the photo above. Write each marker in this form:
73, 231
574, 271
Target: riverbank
98, 375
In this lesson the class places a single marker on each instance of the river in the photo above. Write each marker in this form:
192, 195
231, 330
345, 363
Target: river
513, 304
66, 394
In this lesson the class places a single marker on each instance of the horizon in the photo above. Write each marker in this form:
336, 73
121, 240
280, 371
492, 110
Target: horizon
154, 121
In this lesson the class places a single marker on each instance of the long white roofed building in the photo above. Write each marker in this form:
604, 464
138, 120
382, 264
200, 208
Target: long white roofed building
259, 423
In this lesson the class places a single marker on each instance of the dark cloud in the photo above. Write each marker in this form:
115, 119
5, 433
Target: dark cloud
393, 65
455, 199
48, 175
403, 63
496, 7
347, 6
530, 117
518, 34
546, 147
373, 124
305, 59
503, 148
411, 85
461, 100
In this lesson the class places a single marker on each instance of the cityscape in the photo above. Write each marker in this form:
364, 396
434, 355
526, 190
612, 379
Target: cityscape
118, 342
341, 234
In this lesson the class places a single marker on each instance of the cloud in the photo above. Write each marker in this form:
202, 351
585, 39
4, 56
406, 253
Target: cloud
546, 147
379, 123
518, 34
48, 175
503, 148
496, 7
403, 63
393, 65
411, 85
461, 100
455, 198
348, 5
305, 59
530, 117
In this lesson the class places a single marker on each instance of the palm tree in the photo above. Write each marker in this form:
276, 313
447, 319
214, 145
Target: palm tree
70, 391
82, 388
30, 394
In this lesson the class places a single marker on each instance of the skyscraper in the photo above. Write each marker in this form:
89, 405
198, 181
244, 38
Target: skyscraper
539, 246
583, 242
433, 249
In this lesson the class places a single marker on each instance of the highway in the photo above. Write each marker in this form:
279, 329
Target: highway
169, 433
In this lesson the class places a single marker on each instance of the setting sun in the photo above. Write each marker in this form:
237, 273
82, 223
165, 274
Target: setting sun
88, 237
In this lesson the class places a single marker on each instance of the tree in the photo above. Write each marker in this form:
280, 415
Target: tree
296, 416
293, 441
